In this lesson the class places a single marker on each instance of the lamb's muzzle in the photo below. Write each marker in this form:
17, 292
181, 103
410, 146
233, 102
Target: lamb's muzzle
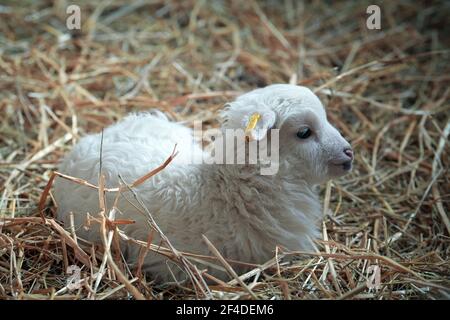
243, 213
346, 160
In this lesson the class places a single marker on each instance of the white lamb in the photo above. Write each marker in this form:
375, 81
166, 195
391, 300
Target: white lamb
243, 213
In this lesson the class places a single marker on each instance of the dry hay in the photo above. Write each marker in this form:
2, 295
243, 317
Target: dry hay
387, 90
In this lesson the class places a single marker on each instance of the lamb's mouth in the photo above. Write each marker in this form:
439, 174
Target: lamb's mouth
345, 166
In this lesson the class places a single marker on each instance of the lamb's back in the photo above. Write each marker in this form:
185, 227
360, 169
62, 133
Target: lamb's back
131, 148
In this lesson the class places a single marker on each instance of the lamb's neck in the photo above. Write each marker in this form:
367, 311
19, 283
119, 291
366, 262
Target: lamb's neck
251, 175
271, 193
282, 209
235, 177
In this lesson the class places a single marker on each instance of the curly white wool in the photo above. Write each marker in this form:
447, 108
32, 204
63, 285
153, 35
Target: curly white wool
244, 214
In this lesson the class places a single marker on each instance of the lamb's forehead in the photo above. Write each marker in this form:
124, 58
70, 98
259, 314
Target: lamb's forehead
285, 99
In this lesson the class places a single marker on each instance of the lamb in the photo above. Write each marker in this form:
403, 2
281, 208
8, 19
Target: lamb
243, 213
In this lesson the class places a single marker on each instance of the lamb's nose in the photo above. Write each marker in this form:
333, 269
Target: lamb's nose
349, 153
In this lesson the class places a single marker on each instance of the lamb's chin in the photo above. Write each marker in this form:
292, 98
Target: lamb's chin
339, 170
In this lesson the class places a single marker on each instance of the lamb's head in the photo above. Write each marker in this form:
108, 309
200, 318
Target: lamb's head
309, 146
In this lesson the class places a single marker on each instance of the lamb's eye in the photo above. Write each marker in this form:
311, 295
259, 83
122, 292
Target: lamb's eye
304, 133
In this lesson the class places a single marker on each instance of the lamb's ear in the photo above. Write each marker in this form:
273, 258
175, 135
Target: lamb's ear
256, 120
257, 124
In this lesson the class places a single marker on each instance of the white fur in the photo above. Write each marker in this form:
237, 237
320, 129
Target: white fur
244, 214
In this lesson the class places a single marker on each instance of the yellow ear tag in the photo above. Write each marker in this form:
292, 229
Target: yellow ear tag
254, 118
